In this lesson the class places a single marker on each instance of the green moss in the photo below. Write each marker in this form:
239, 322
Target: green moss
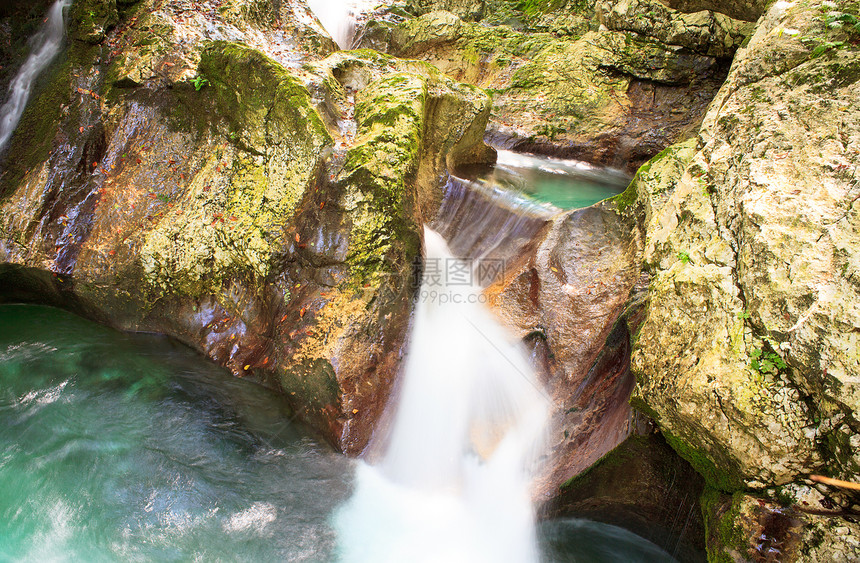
378, 168
261, 102
722, 477
89, 20
269, 117
640, 405
629, 196
534, 8
312, 384
622, 454
723, 531
561, 17
626, 198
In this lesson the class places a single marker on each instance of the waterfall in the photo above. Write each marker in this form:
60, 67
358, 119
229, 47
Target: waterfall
453, 482
338, 17
45, 46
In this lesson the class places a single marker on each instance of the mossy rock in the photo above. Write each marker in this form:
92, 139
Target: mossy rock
643, 486
90, 20
468, 10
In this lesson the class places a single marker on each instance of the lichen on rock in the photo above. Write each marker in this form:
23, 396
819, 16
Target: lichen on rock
583, 96
90, 20
706, 32
747, 357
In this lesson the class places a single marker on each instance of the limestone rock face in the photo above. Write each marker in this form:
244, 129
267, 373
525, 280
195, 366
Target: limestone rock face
469, 10
254, 200
703, 32
748, 355
748, 10
593, 97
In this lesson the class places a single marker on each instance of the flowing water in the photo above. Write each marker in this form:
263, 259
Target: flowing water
564, 184
119, 447
45, 45
338, 17
453, 483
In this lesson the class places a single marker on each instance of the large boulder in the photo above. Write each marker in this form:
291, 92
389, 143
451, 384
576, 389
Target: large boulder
705, 32
748, 356
571, 297
749, 10
594, 96
267, 215
465, 9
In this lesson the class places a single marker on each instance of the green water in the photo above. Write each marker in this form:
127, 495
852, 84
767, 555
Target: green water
565, 184
573, 540
118, 447
568, 193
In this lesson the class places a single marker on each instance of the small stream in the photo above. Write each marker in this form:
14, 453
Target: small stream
556, 183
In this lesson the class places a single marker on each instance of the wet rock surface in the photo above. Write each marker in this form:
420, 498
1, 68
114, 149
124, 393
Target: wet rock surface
571, 296
266, 214
645, 487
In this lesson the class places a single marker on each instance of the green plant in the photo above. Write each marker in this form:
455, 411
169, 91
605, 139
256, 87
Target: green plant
743, 315
684, 256
843, 21
838, 22
199, 82
822, 48
766, 362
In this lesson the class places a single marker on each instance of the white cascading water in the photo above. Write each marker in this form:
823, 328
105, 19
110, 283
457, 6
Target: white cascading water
338, 17
45, 46
453, 483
